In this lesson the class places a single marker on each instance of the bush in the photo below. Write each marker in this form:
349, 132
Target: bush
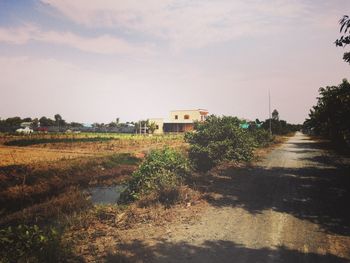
29, 244
261, 137
162, 169
280, 127
217, 140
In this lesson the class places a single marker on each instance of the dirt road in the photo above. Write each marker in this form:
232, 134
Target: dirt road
291, 207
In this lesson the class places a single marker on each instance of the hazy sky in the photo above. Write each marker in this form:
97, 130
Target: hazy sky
97, 60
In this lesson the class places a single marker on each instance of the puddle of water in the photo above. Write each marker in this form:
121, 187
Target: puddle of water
106, 194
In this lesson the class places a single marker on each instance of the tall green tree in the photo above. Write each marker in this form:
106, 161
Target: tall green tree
330, 117
60, 122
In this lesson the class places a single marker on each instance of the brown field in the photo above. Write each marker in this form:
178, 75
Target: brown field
51, 152
11, 155
39, 180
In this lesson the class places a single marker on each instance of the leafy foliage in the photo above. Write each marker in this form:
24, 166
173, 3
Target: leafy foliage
152, 126
280, 127
344, 26
261, 137
345, 38
29, 244
161, 169
330, 117
219, 139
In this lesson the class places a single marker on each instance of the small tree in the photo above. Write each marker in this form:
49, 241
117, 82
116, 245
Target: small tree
57, 118
152, 126
275, 115
161, 169
60, 122
216, 140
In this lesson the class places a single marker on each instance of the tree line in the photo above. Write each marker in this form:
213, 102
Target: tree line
59, 124
330, 117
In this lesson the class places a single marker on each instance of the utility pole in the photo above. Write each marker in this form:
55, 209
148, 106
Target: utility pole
270, 111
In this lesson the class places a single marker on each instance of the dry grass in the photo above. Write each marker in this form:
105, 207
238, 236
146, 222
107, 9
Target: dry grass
102, 228
23, 187
51, 152
10, 155
55, 208
33, 176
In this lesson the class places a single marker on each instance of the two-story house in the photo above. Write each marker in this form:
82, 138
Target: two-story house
179, 121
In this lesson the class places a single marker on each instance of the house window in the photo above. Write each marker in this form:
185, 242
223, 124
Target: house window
157, 127
176, 117
187, 117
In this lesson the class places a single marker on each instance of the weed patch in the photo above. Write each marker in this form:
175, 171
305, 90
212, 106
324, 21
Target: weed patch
30, 243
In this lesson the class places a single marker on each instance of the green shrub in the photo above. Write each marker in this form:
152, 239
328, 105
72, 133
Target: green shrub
261, 137
219, 139
29, 244
161, 169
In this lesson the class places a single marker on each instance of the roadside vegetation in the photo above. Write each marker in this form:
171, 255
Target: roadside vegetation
31, 244
162, 171
279, 126
330, 116
217, 140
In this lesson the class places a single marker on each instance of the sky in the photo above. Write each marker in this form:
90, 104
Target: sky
98, 60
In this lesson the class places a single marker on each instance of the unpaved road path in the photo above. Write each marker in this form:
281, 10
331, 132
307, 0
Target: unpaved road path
291, 207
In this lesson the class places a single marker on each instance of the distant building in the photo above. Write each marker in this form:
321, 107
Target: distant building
179, 121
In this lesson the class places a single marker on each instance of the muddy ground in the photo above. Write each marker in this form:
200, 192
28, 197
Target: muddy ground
292, 206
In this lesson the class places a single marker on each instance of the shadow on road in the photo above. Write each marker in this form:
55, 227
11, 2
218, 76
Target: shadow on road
319, 192
213, 251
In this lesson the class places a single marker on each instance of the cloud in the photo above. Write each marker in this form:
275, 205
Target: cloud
184, 24
104, 44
